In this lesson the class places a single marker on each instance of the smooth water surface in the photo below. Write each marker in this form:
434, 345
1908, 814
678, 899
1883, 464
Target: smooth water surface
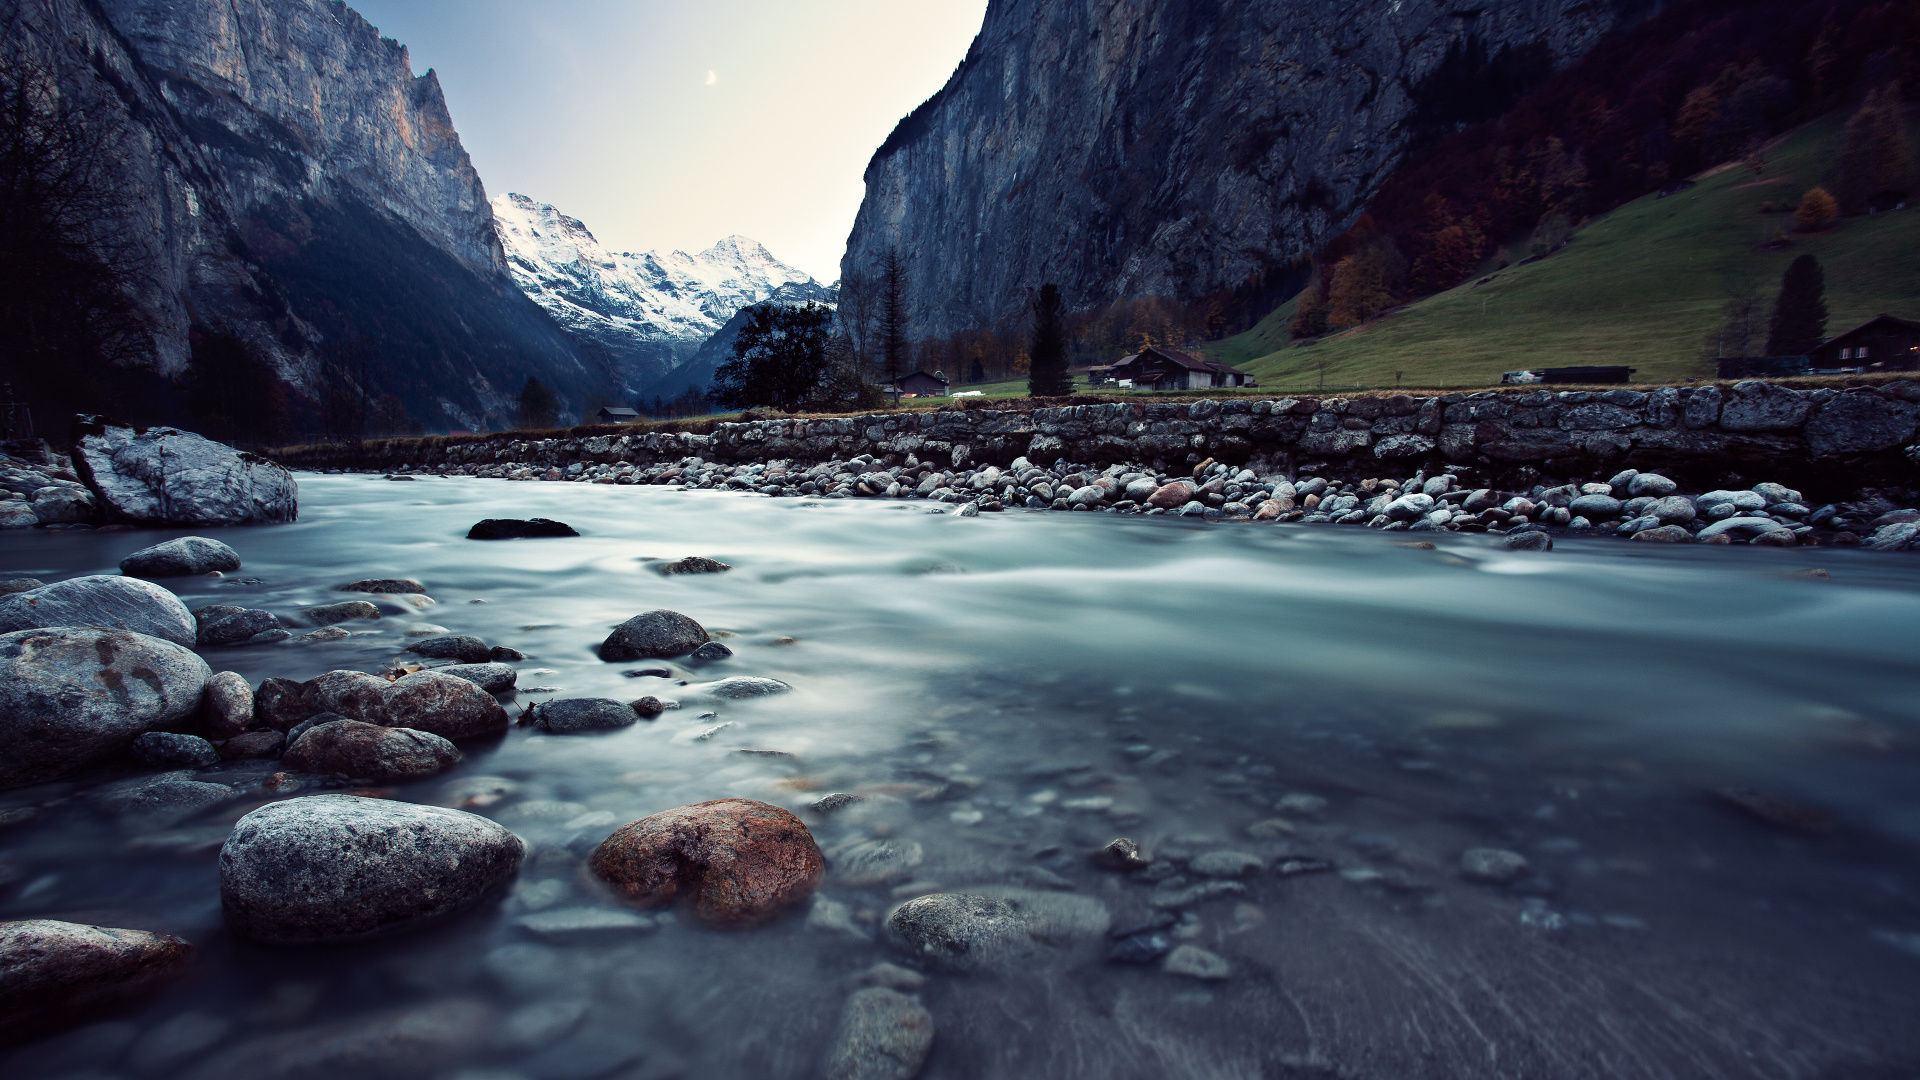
1012, 691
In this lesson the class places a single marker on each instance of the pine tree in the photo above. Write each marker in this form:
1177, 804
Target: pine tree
1800, 311
896, 345
1047, 372
538, 407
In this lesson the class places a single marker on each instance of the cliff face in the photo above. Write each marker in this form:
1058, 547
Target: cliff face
1124, 148
287, 176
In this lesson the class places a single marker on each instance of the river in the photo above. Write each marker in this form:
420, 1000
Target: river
1012, 691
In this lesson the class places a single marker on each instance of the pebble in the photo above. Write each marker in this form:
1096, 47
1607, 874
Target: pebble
1493, 865
1194, 962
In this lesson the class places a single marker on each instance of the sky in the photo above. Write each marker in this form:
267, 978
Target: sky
673, 124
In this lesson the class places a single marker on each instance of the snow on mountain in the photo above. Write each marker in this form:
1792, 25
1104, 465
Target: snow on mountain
645, 313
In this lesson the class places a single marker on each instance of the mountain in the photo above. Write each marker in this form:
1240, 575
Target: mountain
1135, 148
286, 177
697, 371
644, 314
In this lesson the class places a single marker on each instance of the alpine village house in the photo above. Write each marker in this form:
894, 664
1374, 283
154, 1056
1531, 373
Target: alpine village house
1154, 368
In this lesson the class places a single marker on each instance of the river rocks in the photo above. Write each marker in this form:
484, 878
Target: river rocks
883, 1035
1739, 500
513, 529
355, 695
72, 696
19, 585
385, 586
465, 648
1172, 496
1596, 507
244, 627
281, 703
178, 558
370, 751
745, 686
1193, 962
993, 928
102, 600
657, 633
1123, 855
329, 614
164, 800
1226, 864
415, 1041
859, 862
168, 750
1743, 528
253, 744
65, 504
54, 972
1671, 510
494, 678
736, 861
1409, 507
1652, 485
1665, 534
226, 709
165, 476
335, 867
444, 705
1493, 865
569, 716
1898, 536
692, 564
1527, 541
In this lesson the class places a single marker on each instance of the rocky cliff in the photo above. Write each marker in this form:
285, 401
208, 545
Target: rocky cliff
286, 175
647, 314
1124, 148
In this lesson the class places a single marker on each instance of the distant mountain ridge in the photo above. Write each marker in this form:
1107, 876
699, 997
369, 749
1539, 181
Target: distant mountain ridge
647, 314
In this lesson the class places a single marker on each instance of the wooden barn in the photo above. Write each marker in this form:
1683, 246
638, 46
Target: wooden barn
615, 416
1883, 343
921, 384
1154, 368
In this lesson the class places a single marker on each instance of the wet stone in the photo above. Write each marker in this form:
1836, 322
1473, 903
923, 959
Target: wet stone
883, 1035
568, 716
370, 751
53, 973
494, 678
179, 558
385, 586
735, 861
711, 652
122, 603
168, 750
227, 708
1226, 864
328, 614
516, 529
658, 633
746, 686
464, 648
1193, 962
1122, 854
692, 564
1492, 865
355, 695
444, 704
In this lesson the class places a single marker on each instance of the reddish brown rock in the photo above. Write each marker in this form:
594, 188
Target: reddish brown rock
371, 751
53, 972
1172, 496
446, 705
737, 861
280, 703
355, 695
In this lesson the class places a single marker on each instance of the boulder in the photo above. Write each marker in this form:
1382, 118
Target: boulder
65, 504
165, 476
328, 614
72, 696
1739, 528
53, 972
1672, 509
164, 800
1652, 485
444, 705
1763, 406
513, 529
227, 708
494, 678
1408, 507
171, 750
711, 653
1856, 422
240, 628
1492, 865
1739, 500
462, 647
692, 564
883, 1035
385, 586
745, 686
335, 867
569, 716
737, 861
993, 928
659, 633
1532, 540
355, 695
1665, 534
370, 751
17, 514
179, 558
281, 703
1596, 507
1171, 496
19, 585
121, 603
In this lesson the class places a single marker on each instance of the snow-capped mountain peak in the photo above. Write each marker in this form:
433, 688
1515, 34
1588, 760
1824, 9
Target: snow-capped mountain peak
647, 312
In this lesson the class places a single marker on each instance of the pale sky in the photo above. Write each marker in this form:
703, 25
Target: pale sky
672, 124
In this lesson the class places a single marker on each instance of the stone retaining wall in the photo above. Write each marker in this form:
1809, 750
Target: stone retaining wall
1820, 438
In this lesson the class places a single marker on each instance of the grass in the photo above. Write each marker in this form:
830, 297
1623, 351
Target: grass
1641, 286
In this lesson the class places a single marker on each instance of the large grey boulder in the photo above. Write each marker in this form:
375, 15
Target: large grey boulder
72, 696
165, 476
493, 678
654, 633
1763, 406
121, 603
445, 705
65, 504
994, 928
56, 972
178, 558
334, 867
1856, 422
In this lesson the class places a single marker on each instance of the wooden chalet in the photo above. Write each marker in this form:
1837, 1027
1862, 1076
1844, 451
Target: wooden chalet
1883, 343
921, 384
615, 416
1154, 368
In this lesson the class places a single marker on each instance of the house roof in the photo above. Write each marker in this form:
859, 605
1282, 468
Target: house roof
922, 375
1891, 321
1184, 359
617, 412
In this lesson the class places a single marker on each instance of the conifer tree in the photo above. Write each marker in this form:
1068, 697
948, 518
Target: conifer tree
1800, 311
1047, 372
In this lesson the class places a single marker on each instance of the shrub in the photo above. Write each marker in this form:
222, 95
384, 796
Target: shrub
1817, 211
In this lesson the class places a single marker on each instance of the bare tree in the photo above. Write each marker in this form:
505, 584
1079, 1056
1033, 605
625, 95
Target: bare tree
859, 316
1743, 321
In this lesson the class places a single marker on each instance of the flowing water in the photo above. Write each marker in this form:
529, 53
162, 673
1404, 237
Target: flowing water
1012, 691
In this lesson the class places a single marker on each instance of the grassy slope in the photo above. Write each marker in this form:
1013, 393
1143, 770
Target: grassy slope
1642, 286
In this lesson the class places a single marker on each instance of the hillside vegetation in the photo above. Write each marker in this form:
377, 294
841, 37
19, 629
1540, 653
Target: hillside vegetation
1642, 286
